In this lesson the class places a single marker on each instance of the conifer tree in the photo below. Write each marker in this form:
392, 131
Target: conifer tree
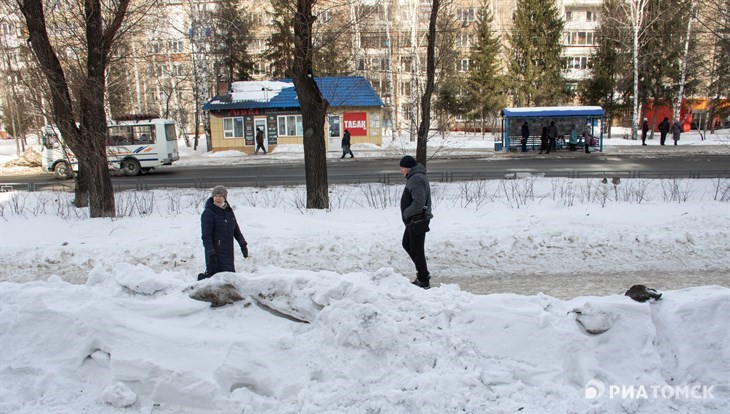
661, 50
535, 56
280, 51
607, 64
230, 41
485, 93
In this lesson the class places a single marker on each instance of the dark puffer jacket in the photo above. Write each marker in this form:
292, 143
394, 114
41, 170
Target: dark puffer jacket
219, 229
416, 198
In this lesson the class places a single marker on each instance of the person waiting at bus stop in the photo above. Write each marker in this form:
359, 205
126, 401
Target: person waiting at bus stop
219, 229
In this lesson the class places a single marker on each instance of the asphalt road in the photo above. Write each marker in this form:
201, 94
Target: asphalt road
386, 171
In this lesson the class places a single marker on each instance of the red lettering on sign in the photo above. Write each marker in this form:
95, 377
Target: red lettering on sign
356, 123
235, 112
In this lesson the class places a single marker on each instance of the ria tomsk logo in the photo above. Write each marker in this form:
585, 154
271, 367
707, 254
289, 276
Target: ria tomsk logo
595, 389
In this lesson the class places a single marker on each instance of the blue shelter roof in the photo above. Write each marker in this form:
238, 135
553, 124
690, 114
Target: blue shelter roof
552, 111
353, 91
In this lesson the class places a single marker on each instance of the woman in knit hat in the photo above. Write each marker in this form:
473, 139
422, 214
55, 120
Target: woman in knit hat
219, 229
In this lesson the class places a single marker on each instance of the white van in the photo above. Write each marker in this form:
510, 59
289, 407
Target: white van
133, 145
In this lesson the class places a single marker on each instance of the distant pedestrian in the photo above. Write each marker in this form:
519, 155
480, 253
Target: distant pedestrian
544, 141
663, 130
260, 141
644, 131
676, 131
415, 207
588, 140
346, 145
552, 136
525, 136
219, 229
573, 140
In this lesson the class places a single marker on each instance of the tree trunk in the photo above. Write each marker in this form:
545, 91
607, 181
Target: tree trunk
81, 189
88, 139
680, 95
313, 107
423, 128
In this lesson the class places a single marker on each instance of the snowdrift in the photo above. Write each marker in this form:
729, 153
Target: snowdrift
132, 340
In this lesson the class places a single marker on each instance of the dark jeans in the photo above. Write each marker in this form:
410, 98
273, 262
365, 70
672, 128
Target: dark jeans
662, 138
346, 150
260, 146
414, 245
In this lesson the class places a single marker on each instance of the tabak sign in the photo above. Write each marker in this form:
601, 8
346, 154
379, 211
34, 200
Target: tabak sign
356, 123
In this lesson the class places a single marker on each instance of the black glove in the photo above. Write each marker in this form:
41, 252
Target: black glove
244, 250
212, 264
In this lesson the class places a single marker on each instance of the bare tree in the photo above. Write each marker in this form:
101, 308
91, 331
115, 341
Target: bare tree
683, 64
87, 139
635, 12
313, 107
425, 125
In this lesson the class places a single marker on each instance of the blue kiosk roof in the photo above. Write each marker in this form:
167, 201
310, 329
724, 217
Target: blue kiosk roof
553, 111
354, 91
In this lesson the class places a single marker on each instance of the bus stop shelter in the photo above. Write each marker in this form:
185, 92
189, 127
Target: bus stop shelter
588, 119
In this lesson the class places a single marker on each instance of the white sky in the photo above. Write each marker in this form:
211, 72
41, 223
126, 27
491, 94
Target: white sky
95, 314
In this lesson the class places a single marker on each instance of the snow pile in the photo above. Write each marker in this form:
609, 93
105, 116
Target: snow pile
323, 342
29, 159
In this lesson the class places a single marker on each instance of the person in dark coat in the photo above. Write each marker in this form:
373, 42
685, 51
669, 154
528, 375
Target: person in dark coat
676, 131
415, 207
346, 145
644, 131
525, 136
544, 140
663, 130
219, 229
259, 141
552, 136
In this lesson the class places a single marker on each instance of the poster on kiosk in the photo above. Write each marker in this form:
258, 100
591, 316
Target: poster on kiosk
356, 123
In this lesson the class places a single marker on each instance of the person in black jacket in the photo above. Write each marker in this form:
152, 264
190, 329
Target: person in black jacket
259, 141
663, 130
219, 229
415, 207
346, 145
552, 136
525, 136
644, 131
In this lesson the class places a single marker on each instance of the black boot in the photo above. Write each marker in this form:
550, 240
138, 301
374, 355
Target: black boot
422, 282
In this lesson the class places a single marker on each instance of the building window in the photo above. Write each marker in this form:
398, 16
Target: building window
462, 65
568, 16
579, 38
406, 88
232, 127
290, 126
465, 40
406, 64
591, 16
407, 109
465, 15
576, 62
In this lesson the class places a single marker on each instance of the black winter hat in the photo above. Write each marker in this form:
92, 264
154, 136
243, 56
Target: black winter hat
408, 162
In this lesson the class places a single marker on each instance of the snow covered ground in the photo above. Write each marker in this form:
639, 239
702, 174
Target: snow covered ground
95, 315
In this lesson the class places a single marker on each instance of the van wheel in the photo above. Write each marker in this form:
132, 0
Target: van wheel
131, 167
62, 170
